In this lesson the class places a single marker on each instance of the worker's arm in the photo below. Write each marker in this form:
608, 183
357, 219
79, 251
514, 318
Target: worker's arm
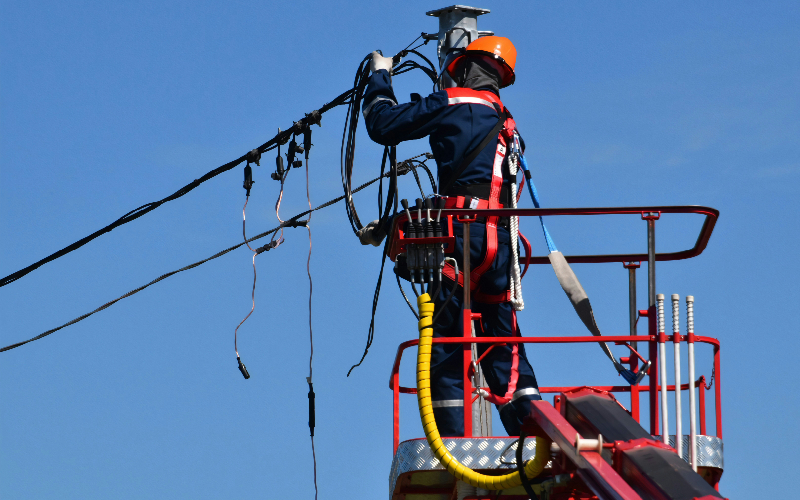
389, 123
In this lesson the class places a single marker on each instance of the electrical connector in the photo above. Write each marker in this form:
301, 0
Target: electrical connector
243, 368
248, 178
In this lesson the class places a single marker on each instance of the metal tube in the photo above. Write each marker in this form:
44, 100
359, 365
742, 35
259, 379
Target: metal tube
692, 401
717, 392
467, 326
632, 311
651, 262
632, 299
676, 339
662, 349
395, 411
652, 321
702, 403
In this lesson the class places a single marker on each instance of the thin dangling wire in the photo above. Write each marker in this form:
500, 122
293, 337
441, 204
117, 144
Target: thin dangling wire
310, 329
252, 295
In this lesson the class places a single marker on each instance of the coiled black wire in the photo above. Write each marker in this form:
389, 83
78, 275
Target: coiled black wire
351, 127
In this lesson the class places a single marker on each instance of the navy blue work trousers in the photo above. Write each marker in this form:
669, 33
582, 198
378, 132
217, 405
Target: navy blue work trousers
447, 360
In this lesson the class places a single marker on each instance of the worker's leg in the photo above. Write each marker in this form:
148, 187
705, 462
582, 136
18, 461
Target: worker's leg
447, 377
498, 321
447, 372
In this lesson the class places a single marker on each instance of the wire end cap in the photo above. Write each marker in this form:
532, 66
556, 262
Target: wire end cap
243, 368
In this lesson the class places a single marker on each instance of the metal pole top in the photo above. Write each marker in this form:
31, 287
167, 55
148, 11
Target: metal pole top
689, 299
464, 8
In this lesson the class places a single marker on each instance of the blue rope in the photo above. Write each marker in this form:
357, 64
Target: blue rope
535, 197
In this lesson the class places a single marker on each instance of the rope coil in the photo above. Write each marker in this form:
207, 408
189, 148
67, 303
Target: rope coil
515, 279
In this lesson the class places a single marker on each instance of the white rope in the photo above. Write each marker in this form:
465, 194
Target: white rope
515, 279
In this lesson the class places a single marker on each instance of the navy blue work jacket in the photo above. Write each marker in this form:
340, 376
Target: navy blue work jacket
454, 129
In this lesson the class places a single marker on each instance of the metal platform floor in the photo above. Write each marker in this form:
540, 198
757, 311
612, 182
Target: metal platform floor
416, 474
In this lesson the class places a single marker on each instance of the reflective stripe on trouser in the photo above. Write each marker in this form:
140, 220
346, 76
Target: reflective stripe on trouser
447, 403
447, 359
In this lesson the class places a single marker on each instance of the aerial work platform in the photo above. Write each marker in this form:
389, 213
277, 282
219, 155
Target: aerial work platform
600, 449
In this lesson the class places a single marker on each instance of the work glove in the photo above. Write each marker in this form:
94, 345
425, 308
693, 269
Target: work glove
380, 62
371, 234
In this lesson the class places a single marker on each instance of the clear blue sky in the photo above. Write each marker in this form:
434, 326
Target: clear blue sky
106, 106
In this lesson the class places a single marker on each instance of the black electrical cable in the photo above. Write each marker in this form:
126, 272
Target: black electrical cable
351, 98
375, 297
450, 296
293, 222
521, 468
313, 117
400, 286
351, 124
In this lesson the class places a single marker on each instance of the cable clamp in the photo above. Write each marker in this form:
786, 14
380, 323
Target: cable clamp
295, 223
254, 156
266, 248
403, 167
314, 118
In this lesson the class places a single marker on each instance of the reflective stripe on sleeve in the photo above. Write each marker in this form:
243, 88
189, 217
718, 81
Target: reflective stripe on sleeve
374, 102
469, 100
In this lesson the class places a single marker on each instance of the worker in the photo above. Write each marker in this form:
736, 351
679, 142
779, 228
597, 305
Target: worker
459, 120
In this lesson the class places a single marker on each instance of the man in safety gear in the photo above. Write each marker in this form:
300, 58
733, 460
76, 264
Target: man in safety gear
470, 131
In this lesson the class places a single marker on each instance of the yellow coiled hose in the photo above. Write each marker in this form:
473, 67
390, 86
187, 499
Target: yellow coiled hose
453, 466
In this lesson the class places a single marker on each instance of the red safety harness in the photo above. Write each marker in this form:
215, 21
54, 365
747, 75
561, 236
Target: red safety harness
458, 96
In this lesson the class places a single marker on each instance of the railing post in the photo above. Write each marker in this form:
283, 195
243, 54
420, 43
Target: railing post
702, 403
652, 319
676, 339
692, 400
395, 411
632, 311
662, 349
466, 318
717, 392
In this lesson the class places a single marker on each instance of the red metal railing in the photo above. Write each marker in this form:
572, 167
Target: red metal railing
650, 213
397, 389
709, 222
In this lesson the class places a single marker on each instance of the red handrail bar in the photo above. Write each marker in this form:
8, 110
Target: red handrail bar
397, 389
710, 221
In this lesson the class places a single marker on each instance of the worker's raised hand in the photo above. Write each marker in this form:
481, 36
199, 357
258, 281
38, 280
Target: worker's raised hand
380, 62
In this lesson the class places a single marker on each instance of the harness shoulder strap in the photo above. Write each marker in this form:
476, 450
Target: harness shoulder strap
474, 154
468, 96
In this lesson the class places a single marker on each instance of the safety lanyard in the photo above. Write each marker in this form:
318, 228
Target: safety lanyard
551, 246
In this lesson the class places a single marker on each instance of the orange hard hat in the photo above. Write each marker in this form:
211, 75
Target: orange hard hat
498, 48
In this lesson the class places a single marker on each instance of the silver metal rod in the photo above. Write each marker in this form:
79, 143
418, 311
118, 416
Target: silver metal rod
692, 401
632, 300
676, 327
662, 350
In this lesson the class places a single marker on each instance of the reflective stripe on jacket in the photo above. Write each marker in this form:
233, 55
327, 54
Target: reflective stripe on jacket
455, 124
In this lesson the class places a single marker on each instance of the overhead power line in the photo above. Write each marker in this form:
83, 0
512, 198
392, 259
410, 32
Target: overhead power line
349, 97
311, 118
295, 221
